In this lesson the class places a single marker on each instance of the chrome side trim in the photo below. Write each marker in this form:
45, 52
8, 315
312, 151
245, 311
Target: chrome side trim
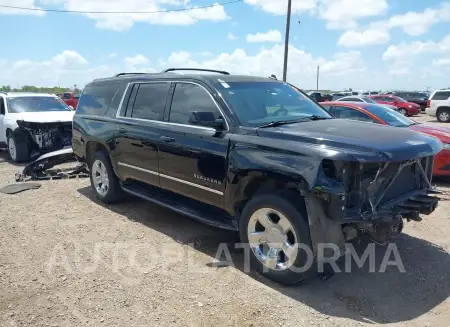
191, 184
169, 123
138, 168
171, 178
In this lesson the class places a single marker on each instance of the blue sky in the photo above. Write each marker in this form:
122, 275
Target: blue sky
359, 44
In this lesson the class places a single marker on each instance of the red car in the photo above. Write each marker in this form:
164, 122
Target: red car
373, 113
404, 107
70, 98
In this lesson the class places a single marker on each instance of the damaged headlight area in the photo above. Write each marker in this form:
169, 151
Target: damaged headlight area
46, 137
370, 196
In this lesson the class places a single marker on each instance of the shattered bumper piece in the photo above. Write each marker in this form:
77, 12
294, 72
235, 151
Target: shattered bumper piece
41, 168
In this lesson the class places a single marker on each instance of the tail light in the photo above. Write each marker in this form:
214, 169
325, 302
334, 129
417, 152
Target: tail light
428, 103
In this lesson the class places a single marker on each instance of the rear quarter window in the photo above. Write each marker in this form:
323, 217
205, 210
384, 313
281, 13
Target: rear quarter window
96, 99
441, 95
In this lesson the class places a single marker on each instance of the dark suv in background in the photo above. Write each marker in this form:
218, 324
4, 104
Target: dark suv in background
253, 155
419, 98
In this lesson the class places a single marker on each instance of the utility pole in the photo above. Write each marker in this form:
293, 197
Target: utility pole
318, 69
286, 39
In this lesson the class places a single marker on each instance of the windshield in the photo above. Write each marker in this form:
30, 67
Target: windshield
368, 100
36, 104
259, 103
389, 116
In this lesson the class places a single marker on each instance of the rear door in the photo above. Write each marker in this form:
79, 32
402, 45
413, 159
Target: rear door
193, 159
138, 130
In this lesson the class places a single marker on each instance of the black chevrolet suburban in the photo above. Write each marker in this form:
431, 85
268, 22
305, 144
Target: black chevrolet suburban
253, 155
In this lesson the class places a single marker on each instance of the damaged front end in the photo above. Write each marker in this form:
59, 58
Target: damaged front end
45, 137
373, 198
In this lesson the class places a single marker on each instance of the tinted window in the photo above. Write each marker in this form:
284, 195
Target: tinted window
36, 104
258, 103
150, 101
189, 100
66, 95
95, 99
368, 100
349, 113
2, 106
441, 95
351, 99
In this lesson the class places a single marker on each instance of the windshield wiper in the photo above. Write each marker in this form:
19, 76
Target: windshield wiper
276, 123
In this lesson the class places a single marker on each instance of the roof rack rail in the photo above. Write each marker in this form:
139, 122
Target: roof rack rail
197, 69
123, 74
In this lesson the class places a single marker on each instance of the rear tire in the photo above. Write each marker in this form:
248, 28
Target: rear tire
104, 181
443, 115
17, 150
273, 252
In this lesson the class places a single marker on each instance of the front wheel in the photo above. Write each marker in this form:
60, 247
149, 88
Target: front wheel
403, 111
17, 150
277, 233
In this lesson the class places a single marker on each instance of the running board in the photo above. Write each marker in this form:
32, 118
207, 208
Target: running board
194, 209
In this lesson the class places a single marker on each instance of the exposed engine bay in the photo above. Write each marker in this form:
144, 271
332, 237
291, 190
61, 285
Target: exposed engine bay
47, 137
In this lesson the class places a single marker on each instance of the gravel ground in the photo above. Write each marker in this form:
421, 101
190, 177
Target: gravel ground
67, 260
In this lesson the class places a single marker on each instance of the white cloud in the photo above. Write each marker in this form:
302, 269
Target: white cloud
19, 3
120, 22
339, 14
343, 14
269, 36
370, 36
444, 62
232, 37
136, 60
280, 7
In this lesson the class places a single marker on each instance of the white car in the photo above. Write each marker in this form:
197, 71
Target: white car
439, 105
32, 124
366, 100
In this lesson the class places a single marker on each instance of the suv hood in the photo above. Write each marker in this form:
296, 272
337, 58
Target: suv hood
363, 141
44, 117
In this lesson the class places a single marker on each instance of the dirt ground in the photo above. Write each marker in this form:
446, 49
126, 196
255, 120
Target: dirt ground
67, 260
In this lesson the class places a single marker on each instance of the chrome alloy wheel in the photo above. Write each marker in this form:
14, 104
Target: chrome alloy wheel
100, 177
444, 116
12, 148
272, 239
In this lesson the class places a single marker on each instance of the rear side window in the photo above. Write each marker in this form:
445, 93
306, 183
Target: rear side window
441, 95
95, 99
349, 113
150, 101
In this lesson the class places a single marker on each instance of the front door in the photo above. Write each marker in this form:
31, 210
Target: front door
193, 159
138, 131
2, 123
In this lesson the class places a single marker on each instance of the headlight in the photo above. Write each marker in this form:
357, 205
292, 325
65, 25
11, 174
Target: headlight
446, 146
410, 106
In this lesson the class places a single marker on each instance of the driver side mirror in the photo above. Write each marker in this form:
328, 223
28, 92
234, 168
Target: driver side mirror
207, 119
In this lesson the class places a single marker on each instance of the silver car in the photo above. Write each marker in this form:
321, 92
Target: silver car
366, 100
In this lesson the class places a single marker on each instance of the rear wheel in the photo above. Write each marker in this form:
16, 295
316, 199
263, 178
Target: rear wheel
443, 115
403, 111
277, 234
104, 181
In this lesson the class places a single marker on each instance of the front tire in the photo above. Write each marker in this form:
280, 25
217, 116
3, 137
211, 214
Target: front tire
403, 111
17, 150
104, 181
277, 234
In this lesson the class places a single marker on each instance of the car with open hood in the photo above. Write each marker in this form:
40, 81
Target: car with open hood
32, 124
253, 155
